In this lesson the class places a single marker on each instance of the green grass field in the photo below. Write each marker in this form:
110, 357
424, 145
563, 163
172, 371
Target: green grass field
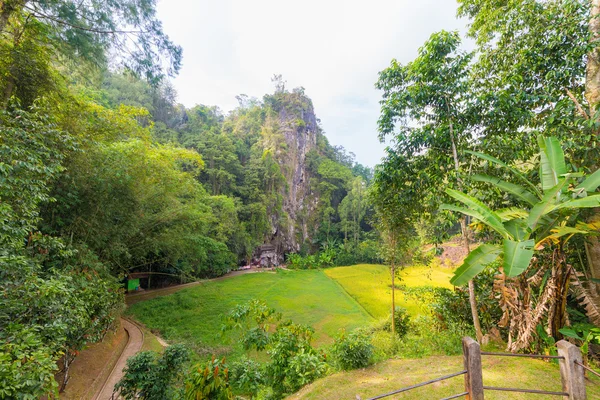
194, 315
328, 300
370, 285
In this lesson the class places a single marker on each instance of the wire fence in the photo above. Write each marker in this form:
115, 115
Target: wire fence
572, 371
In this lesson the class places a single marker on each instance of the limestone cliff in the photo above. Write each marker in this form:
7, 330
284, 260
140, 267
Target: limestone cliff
297, 124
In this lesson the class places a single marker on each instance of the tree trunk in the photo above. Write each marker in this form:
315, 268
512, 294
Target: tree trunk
393, 301
592, 78
465, 233
472, 297
560, 274
592, 94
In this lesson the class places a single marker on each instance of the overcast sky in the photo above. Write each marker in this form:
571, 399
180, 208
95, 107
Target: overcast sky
333, 48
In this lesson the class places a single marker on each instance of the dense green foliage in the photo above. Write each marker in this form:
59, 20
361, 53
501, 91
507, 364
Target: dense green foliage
150, 376
103, 174
293, 362
467, 120
353, 350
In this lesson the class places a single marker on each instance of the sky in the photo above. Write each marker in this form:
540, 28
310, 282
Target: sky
332, 48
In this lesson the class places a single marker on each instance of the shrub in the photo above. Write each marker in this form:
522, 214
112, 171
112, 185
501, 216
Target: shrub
353, 351
326, 258
366, 251
304, 368
451, 307
384, 345
209, 382
153, 377
424, 339
287, 342
266, 393
402, 322
294, 260
247, 375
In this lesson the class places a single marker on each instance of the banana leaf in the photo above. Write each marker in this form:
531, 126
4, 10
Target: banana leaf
516, 190
486, 215
584, 202
510, 213
559, 232
552, 162
517, 256
496, 161
591, 183
547, 205
475, 262
517, 228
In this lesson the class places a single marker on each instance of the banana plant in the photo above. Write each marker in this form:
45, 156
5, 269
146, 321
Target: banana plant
548, 215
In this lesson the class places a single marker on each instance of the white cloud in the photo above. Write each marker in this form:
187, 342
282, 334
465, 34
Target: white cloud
333, 48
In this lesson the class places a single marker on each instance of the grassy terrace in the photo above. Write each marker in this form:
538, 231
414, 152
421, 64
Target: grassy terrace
328, 300
370, 285
194, 315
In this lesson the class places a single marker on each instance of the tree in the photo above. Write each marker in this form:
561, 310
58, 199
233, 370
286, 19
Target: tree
538, 72
88, 31
426, 107
391, 197
352, 209
549, 220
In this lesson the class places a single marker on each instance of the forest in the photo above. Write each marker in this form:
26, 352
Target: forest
491, 147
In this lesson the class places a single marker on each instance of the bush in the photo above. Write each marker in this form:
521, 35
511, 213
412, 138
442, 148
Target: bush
451, 307
209, 382
304, 368
313, 261
153, 377
353, 351
402, 322
384, 345
424, 339
266, 393
247, 375
366, 251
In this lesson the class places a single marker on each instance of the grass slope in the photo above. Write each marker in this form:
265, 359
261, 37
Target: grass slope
370, 285
194, 314
395, 374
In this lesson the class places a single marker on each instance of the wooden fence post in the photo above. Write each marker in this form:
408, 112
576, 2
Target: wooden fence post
571, 374
472, 361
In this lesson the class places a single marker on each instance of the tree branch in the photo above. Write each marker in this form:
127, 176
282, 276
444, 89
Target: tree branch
38, 14
578, 105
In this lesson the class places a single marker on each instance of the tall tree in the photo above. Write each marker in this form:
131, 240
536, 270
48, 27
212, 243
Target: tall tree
84, 32
538, 72
425, 106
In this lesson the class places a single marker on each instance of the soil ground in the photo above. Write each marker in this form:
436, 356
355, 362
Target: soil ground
93, 365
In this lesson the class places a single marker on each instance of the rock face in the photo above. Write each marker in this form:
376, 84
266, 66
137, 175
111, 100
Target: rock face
298, 125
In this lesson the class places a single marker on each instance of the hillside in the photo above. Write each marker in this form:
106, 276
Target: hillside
391, 375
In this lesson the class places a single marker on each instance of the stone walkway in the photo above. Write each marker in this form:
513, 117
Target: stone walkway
134, 345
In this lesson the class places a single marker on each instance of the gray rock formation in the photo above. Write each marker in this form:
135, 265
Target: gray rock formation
298, 125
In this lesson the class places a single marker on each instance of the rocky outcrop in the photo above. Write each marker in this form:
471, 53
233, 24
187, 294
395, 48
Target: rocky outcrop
298, 125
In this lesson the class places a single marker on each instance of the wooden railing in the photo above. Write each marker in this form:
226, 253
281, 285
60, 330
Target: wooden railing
572, 372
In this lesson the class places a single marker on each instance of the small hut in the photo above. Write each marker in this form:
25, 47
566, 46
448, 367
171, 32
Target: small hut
133, 281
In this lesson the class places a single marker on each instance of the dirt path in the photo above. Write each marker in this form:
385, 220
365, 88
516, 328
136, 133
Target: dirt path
134, 345
136, 336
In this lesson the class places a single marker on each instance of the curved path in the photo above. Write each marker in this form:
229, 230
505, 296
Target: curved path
136, 335
133, 346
